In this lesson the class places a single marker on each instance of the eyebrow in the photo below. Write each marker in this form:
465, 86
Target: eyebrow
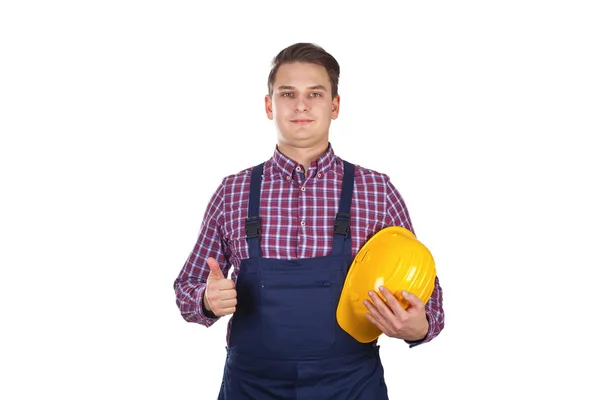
315, 87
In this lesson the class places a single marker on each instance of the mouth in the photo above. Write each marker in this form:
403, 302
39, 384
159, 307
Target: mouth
301, 121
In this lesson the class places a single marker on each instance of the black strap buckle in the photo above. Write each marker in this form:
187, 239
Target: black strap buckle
252, 227
342, 224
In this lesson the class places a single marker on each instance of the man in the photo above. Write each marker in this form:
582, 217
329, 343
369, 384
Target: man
278, 225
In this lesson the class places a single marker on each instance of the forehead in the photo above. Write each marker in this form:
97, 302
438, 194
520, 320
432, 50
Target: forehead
301, 74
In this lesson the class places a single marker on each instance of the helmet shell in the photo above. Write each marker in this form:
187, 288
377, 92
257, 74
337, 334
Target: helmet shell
393, 258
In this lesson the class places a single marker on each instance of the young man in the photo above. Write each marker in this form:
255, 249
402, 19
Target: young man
275, 224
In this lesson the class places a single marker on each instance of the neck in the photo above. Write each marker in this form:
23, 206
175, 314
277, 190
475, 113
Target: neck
303, 155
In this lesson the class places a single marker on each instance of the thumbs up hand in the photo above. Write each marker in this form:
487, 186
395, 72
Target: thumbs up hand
220, 296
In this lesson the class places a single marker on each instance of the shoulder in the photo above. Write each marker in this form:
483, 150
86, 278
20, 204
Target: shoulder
237, 177
240, 180
246, 173
366, 175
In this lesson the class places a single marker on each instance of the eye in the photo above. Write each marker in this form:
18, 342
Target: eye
287, 94
315, 94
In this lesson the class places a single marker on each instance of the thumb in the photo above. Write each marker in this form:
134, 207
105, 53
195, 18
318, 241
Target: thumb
215, 269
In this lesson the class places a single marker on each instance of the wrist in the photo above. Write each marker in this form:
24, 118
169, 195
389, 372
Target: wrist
423, 333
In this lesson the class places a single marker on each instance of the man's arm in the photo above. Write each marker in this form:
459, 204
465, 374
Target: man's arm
397, 215
191, 281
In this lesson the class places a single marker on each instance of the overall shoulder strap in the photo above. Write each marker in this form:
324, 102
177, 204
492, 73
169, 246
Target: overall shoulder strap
253, 219
341, 226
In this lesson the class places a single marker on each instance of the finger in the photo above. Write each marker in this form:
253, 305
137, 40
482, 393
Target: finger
222, 284
228, 303
413, 300
225, 294
225, 311
392, 302
383, 308
215, 269
378, 324
216, 298
378, 315
224, 306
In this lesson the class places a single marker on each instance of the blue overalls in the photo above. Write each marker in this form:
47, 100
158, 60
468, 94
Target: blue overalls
285, 342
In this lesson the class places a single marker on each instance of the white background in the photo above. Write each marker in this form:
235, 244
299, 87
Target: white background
118, 120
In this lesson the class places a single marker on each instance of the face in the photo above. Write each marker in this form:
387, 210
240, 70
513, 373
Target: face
302, 105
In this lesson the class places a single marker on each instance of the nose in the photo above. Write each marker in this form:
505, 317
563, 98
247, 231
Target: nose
301, 105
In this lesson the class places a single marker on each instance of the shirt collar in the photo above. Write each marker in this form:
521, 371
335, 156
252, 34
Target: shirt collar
286, 166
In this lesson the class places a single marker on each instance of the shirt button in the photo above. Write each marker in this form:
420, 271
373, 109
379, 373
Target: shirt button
302, 223
319, 175
298, 169
288, 178
303, 188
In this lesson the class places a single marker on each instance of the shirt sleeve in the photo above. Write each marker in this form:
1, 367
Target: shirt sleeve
397, 215
191, 281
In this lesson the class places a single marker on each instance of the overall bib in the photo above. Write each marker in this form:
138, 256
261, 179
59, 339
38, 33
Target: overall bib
285, 342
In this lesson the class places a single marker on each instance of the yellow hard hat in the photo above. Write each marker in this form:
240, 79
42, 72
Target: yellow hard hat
393, 258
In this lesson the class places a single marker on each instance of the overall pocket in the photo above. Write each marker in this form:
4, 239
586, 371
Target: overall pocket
297, 310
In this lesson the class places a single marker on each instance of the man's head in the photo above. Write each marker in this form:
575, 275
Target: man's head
306, 53
303, 95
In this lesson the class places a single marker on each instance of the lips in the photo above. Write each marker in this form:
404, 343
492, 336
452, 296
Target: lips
301, 121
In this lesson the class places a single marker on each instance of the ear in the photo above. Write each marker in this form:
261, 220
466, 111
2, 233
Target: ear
335, 107
269, 106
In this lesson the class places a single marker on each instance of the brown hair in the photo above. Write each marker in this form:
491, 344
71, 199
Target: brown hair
309, 53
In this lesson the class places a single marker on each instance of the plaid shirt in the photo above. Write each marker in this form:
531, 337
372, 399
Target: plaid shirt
297, 209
